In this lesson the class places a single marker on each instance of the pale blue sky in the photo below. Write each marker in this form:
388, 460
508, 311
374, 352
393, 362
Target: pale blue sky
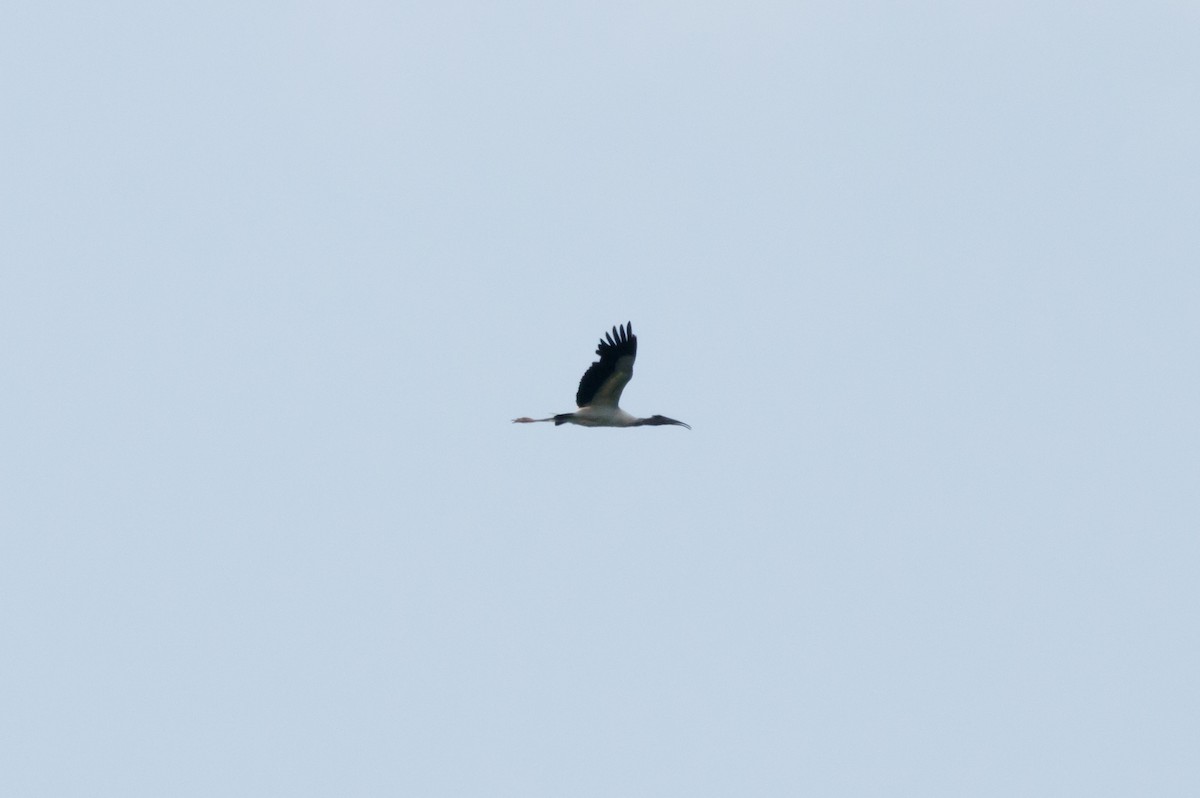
923, 278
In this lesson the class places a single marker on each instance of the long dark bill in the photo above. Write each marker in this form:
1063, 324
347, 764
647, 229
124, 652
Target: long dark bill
659, 421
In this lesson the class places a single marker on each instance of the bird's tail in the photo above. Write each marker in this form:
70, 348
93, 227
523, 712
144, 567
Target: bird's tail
525, 420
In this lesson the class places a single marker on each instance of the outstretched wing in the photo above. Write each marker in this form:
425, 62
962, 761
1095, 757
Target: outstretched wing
604, 380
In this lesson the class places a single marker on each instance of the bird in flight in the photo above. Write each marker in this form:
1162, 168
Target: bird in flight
601, 386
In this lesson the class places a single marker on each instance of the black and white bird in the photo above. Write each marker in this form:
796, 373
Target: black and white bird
601, 386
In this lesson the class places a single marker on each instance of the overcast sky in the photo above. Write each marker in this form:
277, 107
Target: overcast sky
924, 278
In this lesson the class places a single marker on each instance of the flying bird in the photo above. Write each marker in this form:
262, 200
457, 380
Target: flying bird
601, 386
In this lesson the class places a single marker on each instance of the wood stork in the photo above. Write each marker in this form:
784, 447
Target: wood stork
601, 386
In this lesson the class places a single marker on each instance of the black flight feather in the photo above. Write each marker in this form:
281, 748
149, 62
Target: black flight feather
621, 342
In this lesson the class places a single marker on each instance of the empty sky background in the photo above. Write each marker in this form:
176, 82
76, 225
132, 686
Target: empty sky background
924, 278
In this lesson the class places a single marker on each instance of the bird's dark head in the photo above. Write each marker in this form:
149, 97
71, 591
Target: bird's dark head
659, 421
